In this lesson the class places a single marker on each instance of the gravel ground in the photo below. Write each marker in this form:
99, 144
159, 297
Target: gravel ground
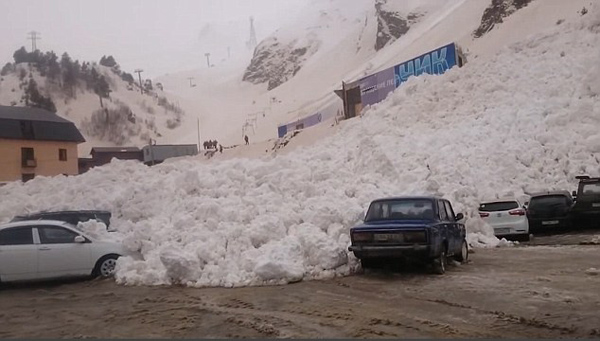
542, 289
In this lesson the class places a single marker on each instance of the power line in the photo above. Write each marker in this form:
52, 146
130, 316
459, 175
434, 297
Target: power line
34, 37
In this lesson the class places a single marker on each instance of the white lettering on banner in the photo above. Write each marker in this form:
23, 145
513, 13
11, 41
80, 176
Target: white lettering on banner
423, 66
432, 63
439, 62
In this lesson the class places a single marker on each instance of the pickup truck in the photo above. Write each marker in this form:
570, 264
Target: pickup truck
410, 228
586, 209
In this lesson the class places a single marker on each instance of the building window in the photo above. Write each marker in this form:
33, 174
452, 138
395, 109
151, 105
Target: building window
27, 157
27, 130
62, 154
27, 177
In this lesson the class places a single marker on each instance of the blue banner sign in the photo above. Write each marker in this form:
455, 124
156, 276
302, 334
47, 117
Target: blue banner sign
376, 87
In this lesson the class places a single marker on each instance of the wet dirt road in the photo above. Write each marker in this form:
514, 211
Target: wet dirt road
535, 291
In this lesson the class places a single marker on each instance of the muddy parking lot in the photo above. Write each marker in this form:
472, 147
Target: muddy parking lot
547, 289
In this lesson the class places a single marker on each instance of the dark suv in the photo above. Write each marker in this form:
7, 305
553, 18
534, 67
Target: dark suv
586, 210
71, 217
549, 211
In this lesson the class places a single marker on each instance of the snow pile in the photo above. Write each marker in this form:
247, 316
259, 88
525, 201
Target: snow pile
98, 231
595, 240
481, 235
523, 120
592, 272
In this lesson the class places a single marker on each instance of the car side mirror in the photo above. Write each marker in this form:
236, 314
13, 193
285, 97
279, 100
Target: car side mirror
459, 216
79, 239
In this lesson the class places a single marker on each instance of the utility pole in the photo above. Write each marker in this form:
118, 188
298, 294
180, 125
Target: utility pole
207, 58
251, 43
139, 72
199, 133
190, 79
33, 36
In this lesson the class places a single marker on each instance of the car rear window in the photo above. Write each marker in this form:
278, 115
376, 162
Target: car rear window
403, 209
591, 189
498, 206
548, 200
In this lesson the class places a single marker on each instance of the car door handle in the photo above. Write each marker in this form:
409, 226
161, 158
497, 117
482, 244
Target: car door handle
44, 249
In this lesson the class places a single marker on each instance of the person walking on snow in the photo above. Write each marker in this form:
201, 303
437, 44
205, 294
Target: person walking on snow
246, 139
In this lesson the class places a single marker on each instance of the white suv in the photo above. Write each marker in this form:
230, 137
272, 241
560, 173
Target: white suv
508, 218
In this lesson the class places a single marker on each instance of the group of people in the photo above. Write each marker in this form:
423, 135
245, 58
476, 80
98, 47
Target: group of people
213, 145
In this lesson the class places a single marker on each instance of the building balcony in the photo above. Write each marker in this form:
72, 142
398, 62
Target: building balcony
30, 163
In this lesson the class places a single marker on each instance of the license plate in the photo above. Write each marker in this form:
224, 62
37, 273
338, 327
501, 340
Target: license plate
386, 237
550, 222
596, 204
502, 231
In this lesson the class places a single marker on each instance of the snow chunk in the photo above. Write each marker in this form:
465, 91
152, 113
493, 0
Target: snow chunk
592, 272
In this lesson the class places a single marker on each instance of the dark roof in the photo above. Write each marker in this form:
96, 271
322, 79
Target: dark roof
409, 198
541, 194
36, 124
114, 150
171, 145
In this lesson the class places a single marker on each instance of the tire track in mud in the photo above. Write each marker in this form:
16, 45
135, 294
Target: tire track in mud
511, 318
378, 324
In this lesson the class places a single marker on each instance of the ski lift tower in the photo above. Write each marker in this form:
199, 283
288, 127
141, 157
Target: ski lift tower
251, 43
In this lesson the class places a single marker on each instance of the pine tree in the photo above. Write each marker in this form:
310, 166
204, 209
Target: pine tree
53, 66
69, 75
21, 56
34, 99
8, 68
108, 61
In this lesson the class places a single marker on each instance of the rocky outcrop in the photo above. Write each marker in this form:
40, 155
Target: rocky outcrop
391, 25
275, 63
496, 12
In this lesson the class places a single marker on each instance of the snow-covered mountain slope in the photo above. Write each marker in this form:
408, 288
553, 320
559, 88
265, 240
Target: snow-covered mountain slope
523, 118
334, 42
133, 118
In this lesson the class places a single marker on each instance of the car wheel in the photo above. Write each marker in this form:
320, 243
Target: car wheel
525, 238
439, 263
463, 256
105, 267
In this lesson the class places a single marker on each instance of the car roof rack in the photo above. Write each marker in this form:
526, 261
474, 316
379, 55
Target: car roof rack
585, 178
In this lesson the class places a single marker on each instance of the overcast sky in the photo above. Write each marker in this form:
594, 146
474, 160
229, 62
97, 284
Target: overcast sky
158, 36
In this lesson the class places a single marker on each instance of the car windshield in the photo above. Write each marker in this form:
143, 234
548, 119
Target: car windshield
405, 209
498, 206
548, 201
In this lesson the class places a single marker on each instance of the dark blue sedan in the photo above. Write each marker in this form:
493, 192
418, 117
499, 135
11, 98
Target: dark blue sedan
415, 228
